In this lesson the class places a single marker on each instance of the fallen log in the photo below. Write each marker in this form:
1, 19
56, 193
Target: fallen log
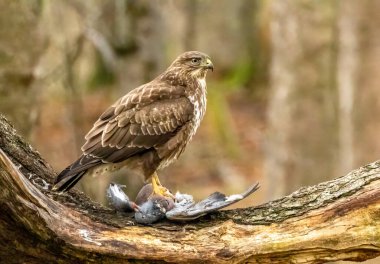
335, 220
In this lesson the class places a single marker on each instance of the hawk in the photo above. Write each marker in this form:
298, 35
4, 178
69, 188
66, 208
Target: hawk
148, 128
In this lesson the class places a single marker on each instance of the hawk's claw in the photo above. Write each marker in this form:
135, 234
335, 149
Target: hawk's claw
162, 191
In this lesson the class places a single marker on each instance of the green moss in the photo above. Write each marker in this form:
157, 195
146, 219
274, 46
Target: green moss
238, 76
220, 117
101, 76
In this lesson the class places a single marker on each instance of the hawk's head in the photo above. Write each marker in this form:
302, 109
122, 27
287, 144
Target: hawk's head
194, 63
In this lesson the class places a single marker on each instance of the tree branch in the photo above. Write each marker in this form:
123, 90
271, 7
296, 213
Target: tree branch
335, 220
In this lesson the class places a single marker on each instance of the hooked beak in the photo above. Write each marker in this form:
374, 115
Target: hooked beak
208, 65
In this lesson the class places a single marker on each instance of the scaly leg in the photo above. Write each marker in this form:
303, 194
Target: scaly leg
159, 189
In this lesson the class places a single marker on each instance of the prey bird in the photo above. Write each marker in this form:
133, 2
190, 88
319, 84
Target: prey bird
148, 128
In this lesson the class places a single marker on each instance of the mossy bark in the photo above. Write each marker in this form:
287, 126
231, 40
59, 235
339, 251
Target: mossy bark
335, 220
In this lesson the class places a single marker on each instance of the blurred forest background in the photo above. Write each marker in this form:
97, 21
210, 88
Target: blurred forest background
294, 98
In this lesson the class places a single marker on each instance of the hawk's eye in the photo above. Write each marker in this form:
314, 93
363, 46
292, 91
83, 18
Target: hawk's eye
195, 61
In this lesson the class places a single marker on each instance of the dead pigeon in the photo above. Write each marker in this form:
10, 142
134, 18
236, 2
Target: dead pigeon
150, 208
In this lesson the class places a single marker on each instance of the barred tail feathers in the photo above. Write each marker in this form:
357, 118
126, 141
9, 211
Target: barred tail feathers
73, 173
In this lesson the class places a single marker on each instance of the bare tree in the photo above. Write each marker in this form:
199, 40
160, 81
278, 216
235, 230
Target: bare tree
19, 86
301, 113
347, 79
366, 95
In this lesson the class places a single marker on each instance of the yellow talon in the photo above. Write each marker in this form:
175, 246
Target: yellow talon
159, 189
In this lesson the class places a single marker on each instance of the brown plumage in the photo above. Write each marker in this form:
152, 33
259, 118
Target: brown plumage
147, 128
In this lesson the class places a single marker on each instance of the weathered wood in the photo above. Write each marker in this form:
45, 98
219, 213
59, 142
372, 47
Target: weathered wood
335, 220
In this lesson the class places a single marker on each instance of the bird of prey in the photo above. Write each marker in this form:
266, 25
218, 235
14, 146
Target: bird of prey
148, 128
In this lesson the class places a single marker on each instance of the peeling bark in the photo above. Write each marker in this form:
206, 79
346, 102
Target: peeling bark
335, 220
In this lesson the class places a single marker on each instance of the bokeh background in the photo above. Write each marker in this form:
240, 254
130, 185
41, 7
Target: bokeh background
294, 99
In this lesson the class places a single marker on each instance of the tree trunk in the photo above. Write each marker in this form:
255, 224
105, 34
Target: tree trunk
366, 95
302, 132
336, 220
347, 76
19, 66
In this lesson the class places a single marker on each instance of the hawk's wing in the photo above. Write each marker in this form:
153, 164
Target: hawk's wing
144, 118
